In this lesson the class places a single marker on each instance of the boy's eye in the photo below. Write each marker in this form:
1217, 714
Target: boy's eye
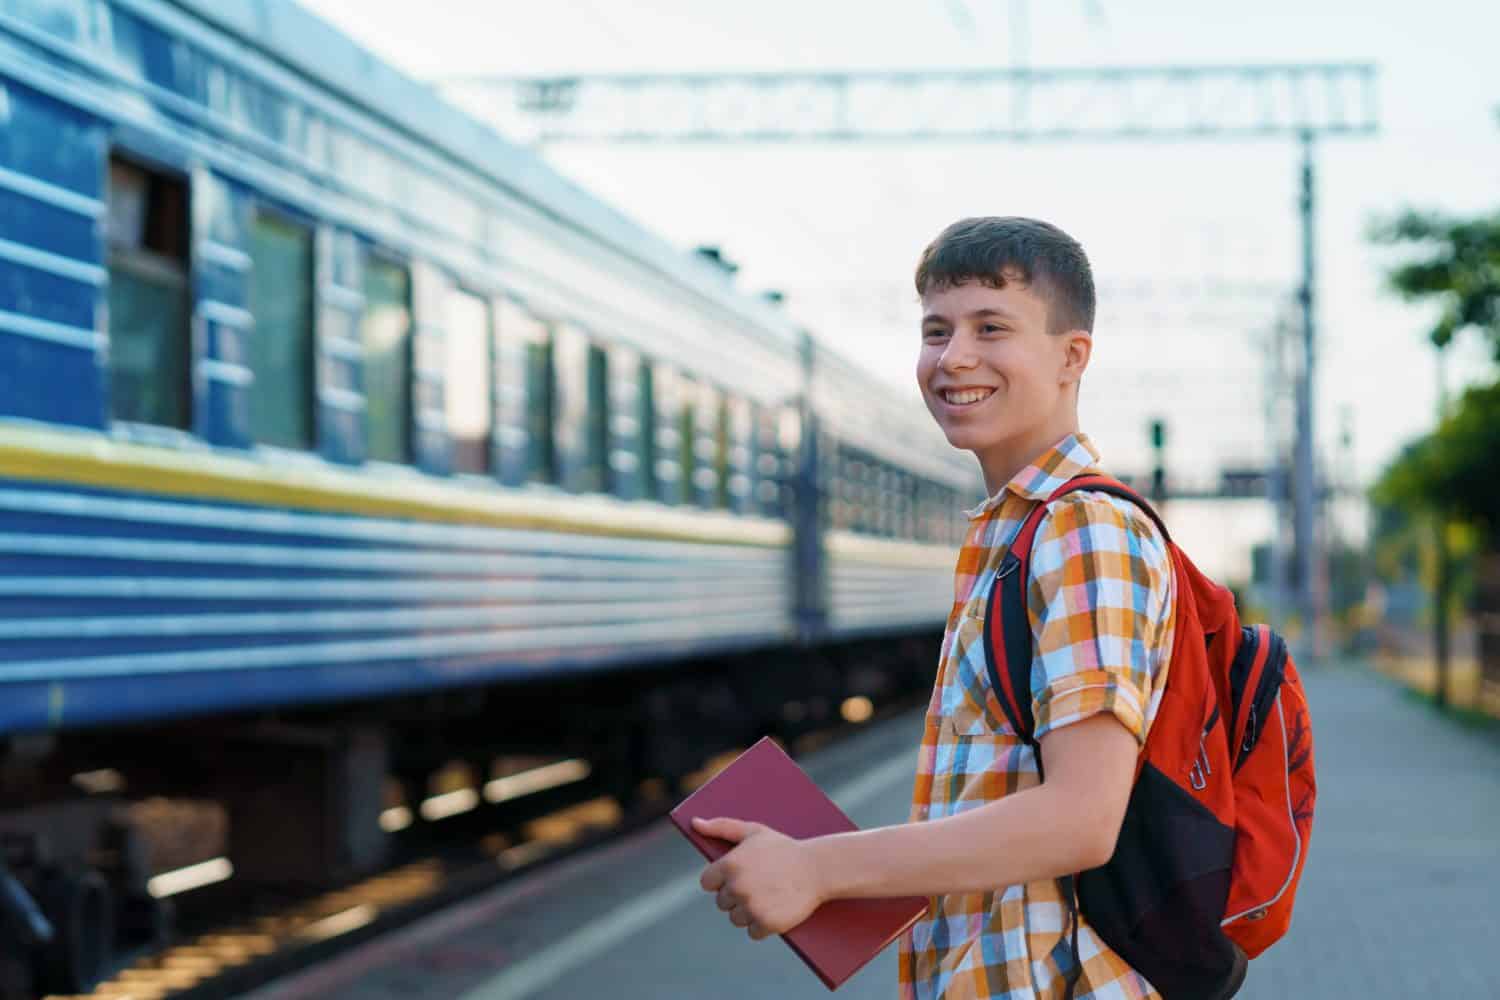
992, 328
933, 332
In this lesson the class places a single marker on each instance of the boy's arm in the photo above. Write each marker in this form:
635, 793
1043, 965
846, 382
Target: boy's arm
1100, 600
1067, 824
771, 883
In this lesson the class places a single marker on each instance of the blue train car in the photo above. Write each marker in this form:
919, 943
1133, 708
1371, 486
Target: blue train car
318, 397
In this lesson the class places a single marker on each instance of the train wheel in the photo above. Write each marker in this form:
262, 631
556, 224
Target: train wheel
81, 908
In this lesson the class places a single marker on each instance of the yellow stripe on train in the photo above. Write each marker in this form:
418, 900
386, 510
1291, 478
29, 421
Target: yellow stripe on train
303, 482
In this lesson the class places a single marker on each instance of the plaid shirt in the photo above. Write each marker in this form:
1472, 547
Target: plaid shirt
1100, 600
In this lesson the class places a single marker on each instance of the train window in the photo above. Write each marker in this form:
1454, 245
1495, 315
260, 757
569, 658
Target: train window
883, 502
924, 512
858, 508
149, 304
712, 451
702, 407
839, 488
739, 420
666, 398
687, 440
859, 494
624, 427
646, 434
869, 499
853, 474
519, 333
838, 509
595, 476
889, 515
386, 332
914, 509
770, 464
903, 487
281, 345
467, 385
541, 463
893, 511
570, 410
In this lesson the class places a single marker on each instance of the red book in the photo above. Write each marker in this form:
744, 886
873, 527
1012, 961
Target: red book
764, 785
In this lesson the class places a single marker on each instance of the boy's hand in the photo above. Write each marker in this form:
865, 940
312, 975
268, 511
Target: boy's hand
767, 884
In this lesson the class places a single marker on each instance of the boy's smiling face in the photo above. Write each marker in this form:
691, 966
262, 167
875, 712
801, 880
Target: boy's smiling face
996, 380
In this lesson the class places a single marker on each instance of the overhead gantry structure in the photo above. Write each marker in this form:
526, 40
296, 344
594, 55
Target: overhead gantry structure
1153, 103
1302, 102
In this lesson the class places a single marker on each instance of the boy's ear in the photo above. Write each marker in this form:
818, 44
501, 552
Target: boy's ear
1078, 347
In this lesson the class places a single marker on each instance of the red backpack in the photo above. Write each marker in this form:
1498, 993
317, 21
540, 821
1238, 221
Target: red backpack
1216, 830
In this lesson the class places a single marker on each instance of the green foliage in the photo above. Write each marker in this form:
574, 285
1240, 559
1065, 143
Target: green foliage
1459, 267
1396, 544
1455, 471
1451, 474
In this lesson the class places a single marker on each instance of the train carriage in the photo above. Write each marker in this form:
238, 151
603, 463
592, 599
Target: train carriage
321, 404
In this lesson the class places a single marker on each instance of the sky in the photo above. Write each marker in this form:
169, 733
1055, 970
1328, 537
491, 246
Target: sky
839, 228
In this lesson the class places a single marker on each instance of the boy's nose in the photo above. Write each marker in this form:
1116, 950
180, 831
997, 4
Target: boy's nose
959, 356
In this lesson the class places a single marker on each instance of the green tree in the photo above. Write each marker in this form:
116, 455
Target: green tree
1449, 476
1456, 264
1454, 471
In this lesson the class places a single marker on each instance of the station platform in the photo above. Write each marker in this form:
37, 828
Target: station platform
1401, 897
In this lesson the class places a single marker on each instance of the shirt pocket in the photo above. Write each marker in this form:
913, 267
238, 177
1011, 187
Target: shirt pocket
969, 705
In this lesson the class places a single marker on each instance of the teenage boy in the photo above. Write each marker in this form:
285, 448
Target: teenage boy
1008, 312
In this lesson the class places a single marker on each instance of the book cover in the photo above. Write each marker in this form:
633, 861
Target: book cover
764, 785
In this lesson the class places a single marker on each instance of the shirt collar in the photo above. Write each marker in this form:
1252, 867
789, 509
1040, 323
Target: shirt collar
1070, 457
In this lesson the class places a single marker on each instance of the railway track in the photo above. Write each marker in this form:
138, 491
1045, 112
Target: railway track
231, 939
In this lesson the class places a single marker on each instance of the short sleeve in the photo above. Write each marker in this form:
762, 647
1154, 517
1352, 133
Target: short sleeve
1100, 600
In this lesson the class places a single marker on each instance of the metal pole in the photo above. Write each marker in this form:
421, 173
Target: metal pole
1442, 687
1305, 482
1276, 480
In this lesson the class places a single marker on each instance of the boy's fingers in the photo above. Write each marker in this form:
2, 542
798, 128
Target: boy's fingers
712, 879
724, 828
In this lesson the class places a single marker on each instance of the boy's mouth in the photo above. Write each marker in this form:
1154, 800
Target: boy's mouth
966, 397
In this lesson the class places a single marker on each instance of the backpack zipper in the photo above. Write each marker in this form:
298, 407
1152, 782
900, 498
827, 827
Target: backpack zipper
1198, 775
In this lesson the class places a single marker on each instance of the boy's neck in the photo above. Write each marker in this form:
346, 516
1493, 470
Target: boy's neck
1001, 464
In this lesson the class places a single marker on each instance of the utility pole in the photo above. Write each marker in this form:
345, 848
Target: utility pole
1442, 690
1305, 481
1276, 477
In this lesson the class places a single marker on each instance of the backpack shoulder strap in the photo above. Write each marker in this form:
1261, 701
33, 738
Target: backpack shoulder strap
1007, 630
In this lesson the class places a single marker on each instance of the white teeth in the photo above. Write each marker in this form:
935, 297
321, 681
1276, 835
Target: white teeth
966, 396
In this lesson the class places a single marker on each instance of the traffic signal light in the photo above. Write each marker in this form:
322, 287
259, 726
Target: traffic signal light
1158, 460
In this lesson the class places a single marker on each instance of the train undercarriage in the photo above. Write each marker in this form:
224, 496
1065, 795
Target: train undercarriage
100, 829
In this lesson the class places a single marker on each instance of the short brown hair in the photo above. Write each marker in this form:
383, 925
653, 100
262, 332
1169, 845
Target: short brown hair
994, 249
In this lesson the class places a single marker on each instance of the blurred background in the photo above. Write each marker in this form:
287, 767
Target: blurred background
444, 433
